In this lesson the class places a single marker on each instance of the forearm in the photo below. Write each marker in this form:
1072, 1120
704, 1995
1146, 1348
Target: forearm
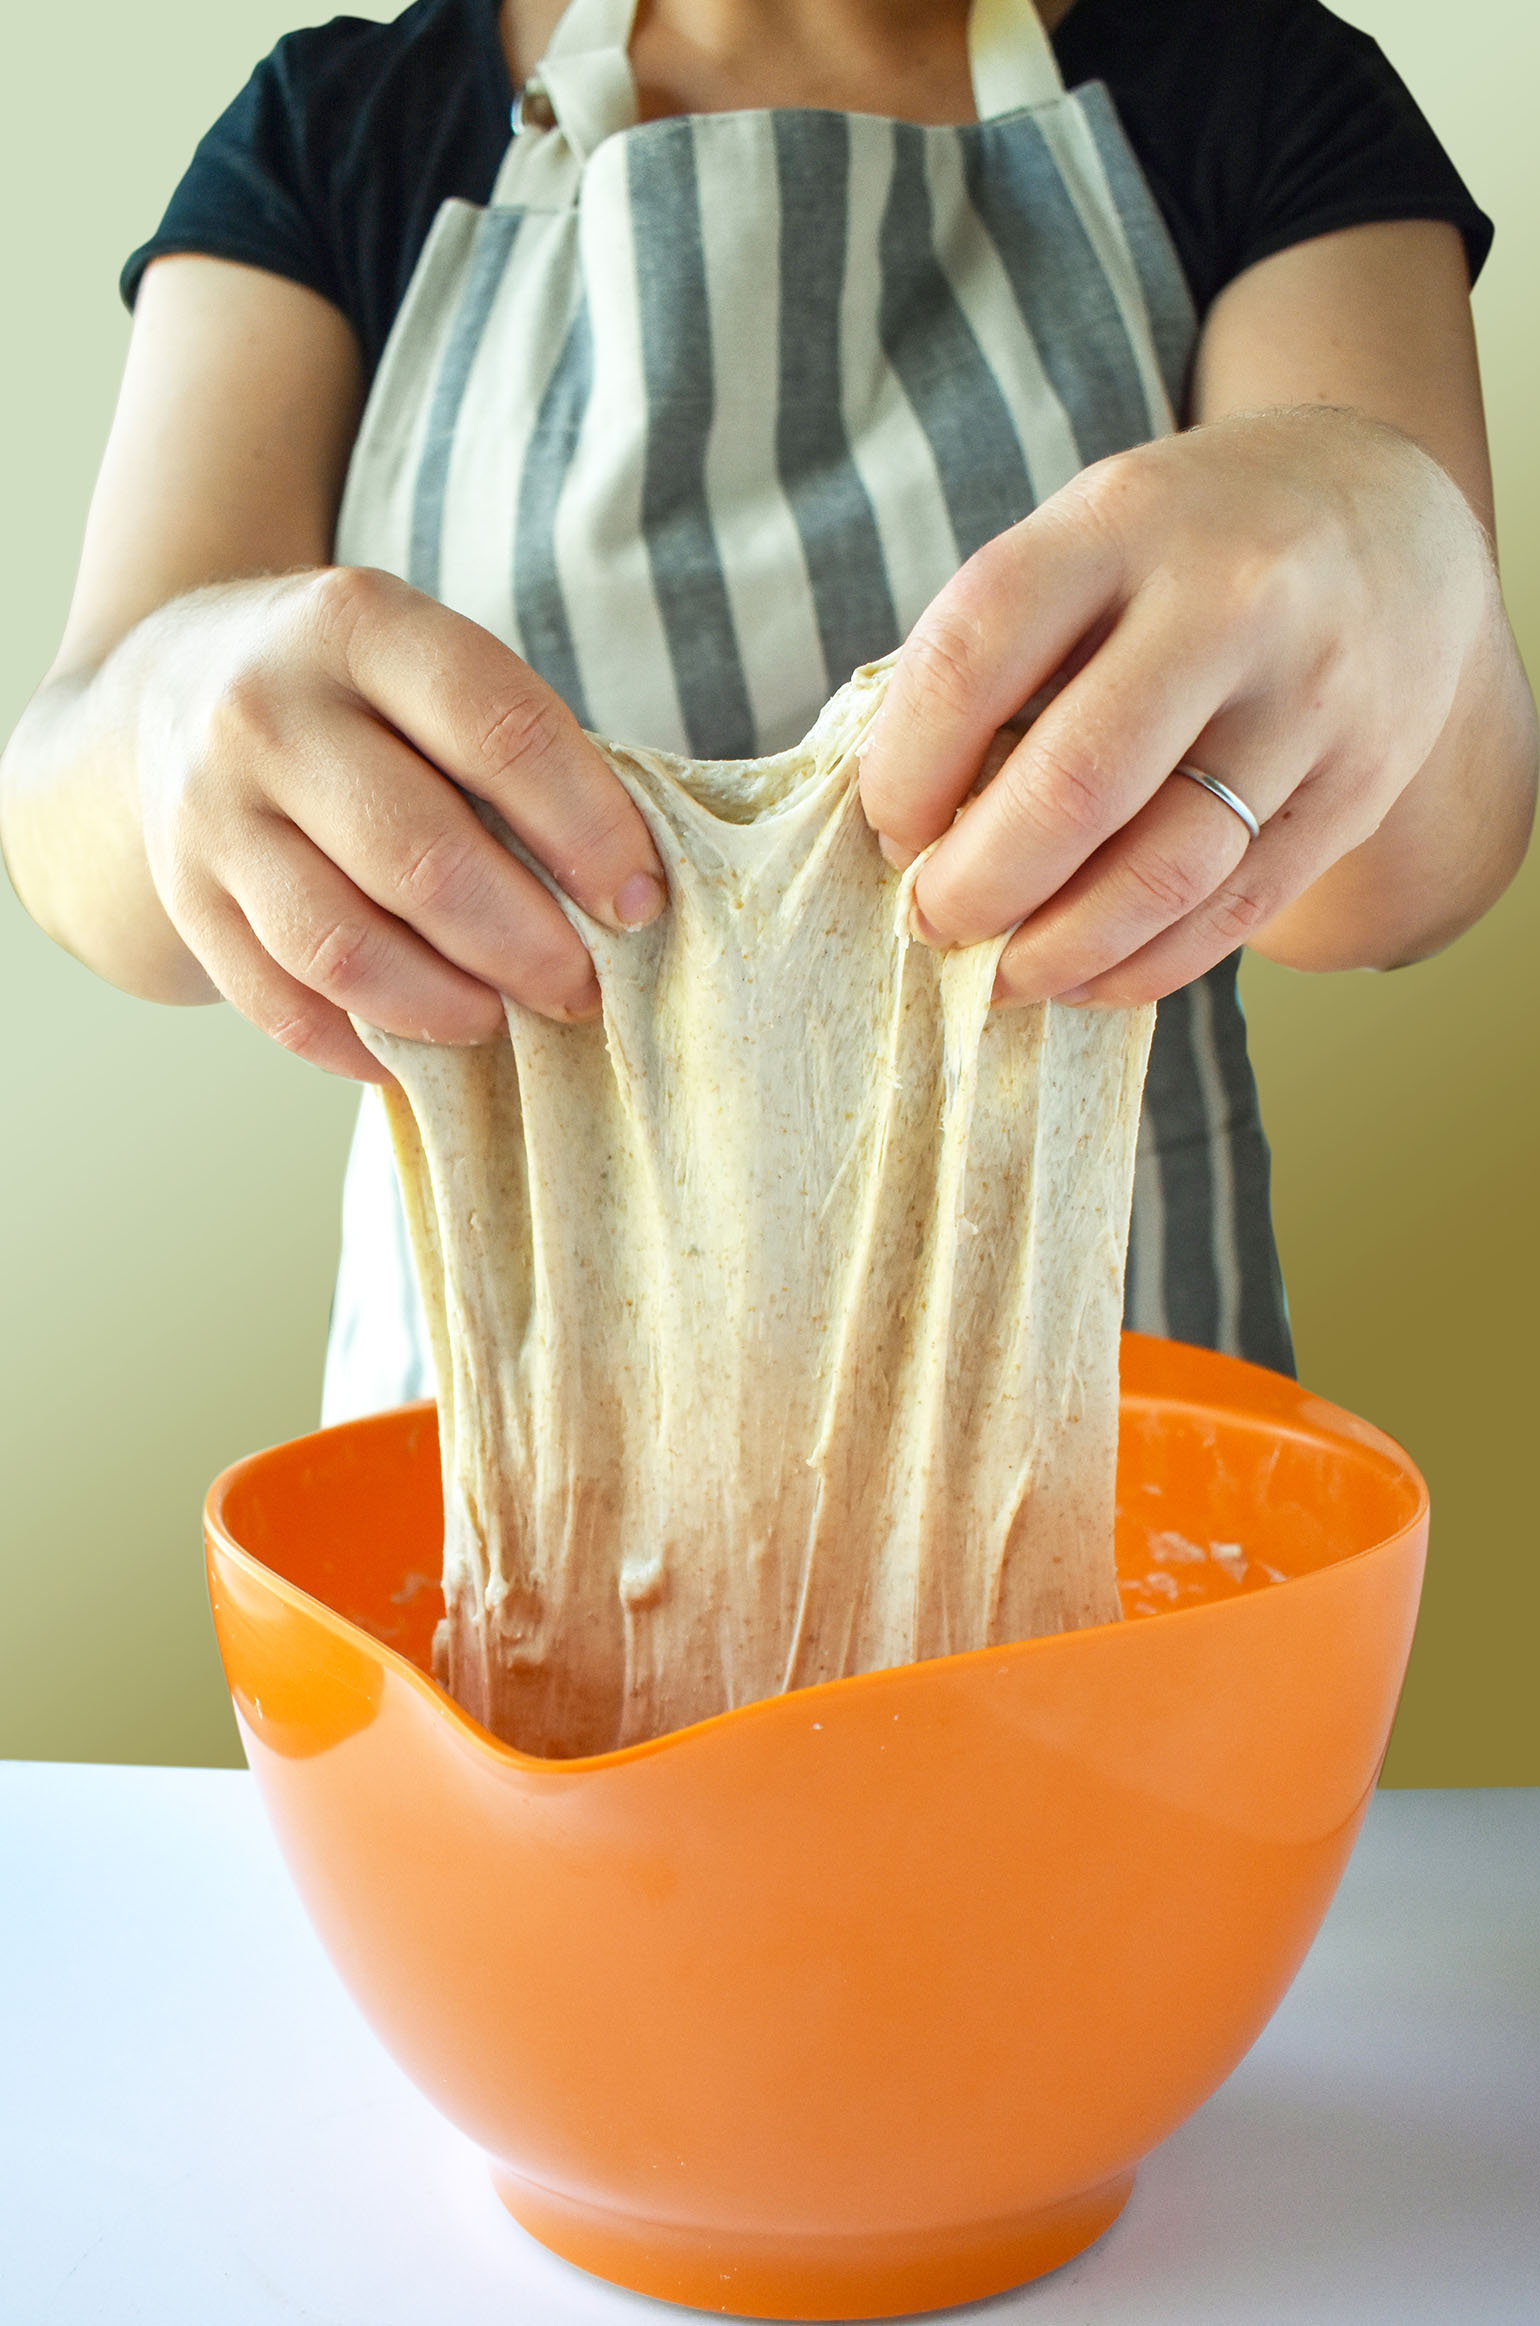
1450, 844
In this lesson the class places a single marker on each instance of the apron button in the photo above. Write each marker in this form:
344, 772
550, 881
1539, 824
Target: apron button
533, 109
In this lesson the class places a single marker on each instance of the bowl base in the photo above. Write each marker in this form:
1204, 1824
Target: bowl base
812, 2277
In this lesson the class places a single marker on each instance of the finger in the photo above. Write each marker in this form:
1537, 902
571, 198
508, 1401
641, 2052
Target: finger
325, 932
1103, 747
997, 633
414, 846
473, 709
1170, 856
1162, 865
278, 1005
1300, 842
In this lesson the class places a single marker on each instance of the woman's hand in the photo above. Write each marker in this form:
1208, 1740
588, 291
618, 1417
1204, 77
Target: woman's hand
1290, 601
251, 772
300, 743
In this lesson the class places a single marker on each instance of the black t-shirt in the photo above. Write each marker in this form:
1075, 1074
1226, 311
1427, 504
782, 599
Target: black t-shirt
1258, 124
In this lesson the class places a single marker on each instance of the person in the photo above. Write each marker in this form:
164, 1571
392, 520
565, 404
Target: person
503, 373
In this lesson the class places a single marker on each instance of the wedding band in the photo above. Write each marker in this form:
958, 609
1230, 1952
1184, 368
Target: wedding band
1222, 791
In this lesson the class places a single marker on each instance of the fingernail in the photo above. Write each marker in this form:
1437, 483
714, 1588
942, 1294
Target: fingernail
899, 858
922, 928
1073, 993
640, 900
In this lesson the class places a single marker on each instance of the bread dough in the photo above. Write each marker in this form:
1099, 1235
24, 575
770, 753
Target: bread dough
775, 1316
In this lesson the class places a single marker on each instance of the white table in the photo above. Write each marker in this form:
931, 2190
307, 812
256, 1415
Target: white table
199, 2130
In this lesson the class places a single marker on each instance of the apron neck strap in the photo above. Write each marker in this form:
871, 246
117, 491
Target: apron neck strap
1010, 57
585, 74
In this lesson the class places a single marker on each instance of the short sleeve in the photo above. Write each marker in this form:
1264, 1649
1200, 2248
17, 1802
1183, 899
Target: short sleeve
331, 164
249, 192
1263, 123
1346, 145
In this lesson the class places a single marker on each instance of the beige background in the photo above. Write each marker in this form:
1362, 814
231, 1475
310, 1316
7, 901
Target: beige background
168, 1181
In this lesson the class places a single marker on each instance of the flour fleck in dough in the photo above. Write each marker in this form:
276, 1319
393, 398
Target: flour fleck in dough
775, 1315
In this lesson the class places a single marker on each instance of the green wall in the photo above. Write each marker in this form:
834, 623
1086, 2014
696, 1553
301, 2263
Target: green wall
168, 1180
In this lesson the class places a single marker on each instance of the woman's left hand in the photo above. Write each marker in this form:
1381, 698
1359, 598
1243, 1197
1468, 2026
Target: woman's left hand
1288, 600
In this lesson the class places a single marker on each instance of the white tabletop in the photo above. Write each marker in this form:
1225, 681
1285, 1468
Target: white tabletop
198, 2127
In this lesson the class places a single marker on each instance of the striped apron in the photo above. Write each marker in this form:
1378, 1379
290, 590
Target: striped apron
698, 414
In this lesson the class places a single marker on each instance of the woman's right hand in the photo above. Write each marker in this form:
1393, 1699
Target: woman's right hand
251, 772
304, 749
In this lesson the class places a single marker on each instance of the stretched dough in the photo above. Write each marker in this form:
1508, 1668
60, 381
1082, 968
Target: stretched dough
776, 1315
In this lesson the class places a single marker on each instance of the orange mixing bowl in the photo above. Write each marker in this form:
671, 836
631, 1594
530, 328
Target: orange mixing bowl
867, 1999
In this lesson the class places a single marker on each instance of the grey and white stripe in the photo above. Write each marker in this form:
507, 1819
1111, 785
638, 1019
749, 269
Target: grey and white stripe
1079, 160
488, 266
829, 498
939, 364
1067, 307
888, 448
528, 311
756, 530
1214, 1099
1167, 300
540, 608
679, 377
606, 564
1144, 1288
1202, 1147
986, 294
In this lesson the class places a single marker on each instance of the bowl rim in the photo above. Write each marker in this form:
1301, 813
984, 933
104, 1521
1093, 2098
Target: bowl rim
1314, 1419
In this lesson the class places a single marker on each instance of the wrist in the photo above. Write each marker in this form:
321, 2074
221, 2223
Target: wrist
72, 831
1450, 844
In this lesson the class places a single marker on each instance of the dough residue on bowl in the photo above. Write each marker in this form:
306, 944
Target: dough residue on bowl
775, 1315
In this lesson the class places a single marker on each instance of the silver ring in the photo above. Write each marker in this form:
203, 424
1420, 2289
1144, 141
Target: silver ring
1222, 791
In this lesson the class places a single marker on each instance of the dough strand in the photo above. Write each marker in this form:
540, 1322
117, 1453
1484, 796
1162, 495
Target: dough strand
775, 1314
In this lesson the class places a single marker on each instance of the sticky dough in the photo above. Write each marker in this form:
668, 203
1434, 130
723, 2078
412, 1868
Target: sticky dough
775, 1317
